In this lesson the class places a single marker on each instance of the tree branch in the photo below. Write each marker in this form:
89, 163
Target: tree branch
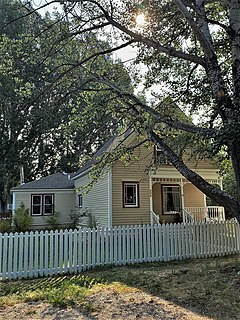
215, 193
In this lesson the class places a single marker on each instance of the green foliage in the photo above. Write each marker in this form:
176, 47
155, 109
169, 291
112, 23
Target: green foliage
5, 225
92, 221
76, 218
229, 183
53, 220
52, 116
22, 219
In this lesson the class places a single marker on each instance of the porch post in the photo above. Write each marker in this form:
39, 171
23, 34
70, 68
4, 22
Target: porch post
182, 195
150, 198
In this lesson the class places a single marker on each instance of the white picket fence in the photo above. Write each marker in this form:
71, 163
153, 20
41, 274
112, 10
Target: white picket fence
44, 253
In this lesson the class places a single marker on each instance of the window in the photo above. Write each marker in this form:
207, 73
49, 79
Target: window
80, 200
131, 194
171, 199
42, 204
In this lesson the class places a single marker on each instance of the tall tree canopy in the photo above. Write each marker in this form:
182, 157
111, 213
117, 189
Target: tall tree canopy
192, 51
50, 118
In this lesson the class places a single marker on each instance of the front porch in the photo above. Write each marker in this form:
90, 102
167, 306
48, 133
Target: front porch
174, 199
194, 214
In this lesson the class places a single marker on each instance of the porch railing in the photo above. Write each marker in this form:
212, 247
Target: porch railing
187, 217
211, 213
154, 218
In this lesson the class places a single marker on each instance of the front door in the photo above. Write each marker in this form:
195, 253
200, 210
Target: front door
171, 197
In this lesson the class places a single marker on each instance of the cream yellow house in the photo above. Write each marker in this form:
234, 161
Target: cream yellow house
142, 191
137, 191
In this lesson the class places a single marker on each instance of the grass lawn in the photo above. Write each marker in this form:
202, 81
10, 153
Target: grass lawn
206, 287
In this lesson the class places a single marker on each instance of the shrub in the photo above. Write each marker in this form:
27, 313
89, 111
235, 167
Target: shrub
92, 222
52, 220
22, 219
5, 225
76, 217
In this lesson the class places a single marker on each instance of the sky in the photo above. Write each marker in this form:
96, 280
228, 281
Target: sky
126, 55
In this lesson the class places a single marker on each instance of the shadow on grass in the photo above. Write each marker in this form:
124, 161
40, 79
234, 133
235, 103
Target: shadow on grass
209, 287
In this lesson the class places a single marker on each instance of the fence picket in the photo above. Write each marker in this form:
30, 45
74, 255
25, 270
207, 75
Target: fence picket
84, 242
25, 265
65, 255
51, 253
80, 255
75, 251
36, 235
61, 249
14, 257
10, 249
89, 244
124, 257
70, 258
46, 253
111, 245
156, 236
31, 254
102, 247
107, 246
5, 250
93, 247
119, 231
56, 252
115, 238
132, 229
144, 243
128, 245
136, 243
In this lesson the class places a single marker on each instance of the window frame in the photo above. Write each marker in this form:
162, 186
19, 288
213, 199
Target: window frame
43, 204
80, 200
136, 185
173, 212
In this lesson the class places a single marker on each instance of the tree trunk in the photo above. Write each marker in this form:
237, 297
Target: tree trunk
235, 157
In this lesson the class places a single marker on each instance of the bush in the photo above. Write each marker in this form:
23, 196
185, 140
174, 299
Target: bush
52, 220
5, 225
92, 221
77, 217
22, 219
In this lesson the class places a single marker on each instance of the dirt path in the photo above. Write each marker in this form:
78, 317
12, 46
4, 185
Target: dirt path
103, 305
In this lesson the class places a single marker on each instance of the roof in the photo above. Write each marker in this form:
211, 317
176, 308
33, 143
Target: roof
105, 148
55, 181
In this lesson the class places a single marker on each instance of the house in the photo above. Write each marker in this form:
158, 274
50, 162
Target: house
54, 193
139, 191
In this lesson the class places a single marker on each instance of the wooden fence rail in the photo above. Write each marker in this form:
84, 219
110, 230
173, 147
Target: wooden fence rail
45, 253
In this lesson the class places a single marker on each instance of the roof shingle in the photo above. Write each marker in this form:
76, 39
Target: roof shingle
55, 181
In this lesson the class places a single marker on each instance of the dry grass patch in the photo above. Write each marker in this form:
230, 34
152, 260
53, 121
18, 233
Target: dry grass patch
193, 289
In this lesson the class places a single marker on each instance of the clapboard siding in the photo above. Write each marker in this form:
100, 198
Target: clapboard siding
134, 171
193, 197
64, 201
96, 199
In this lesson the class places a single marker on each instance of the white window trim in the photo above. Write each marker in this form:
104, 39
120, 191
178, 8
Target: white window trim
42, 204
136, 185
80, 203
34, 205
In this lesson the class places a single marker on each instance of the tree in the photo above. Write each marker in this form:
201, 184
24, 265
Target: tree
40, 101
192, 49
